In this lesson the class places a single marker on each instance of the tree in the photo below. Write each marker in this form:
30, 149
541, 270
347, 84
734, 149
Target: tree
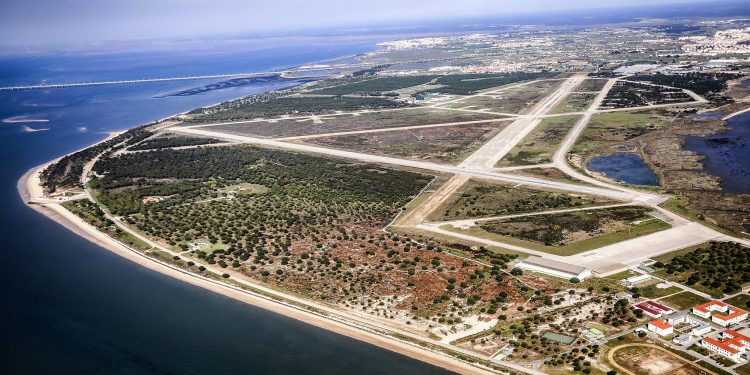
575, 280
516, 271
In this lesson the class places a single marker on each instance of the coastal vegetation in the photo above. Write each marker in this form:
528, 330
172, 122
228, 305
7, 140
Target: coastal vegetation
66, 172
308, 224
171, 140
291, 105
375, 85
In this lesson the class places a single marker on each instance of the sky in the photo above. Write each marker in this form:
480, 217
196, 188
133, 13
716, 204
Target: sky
47, 22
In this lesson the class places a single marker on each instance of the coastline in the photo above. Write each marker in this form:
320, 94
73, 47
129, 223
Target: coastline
29, 186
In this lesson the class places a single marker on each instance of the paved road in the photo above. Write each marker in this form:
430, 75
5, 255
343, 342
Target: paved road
481, 165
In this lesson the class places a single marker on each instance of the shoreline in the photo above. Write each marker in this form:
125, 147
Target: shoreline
28, 187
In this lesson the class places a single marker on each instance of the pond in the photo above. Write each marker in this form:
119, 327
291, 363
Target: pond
726, 154
624, 167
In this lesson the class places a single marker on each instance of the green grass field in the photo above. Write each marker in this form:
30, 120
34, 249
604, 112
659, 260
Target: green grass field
742, 301
684, 300
541, 143
574, 248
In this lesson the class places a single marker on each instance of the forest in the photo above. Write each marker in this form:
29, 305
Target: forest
700, 83
297, 105
169, 140
720, 266
468, 84
309, 224
66, 172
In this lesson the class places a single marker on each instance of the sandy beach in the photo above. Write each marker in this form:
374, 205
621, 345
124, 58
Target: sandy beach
29, 189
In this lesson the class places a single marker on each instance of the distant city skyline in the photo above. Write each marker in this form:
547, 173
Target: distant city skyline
48, 22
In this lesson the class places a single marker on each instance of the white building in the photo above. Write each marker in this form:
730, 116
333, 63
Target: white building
660, 327
554, 268
720, 313
634, 280
730, 344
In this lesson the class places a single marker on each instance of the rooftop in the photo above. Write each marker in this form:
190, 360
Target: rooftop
710, 305
722, 344
660, 324
733, 313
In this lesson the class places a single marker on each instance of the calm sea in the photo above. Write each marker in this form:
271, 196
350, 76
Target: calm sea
70, 307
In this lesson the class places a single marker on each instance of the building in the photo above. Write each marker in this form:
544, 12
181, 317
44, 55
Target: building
720, 313
701, 330
634, 280
426, 96
704, 310
699, 327
682, 339
554, 268
730, 344
734, 315
660, 327
653, 309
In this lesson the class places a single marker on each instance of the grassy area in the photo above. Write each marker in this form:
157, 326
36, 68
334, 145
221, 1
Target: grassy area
743, 370
621, 275
592, 84
130, 240
742, 301
575, 102
351, 122
614, 127
245, 188
541, 143
717, 370
571, 249
630, 338
652, 291
664, 258
376, 85
683, 301
680, 207
483, 199
445, 144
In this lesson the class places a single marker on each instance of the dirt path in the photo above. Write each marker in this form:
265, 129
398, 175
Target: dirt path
420, 213
611, 353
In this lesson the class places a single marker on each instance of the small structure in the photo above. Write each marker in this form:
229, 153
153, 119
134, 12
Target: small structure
730, 344
660, 327
682, 339
715, 310
559, 337
425, 96
653, 309
634, 280
554, 268
593, 334
701, 330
